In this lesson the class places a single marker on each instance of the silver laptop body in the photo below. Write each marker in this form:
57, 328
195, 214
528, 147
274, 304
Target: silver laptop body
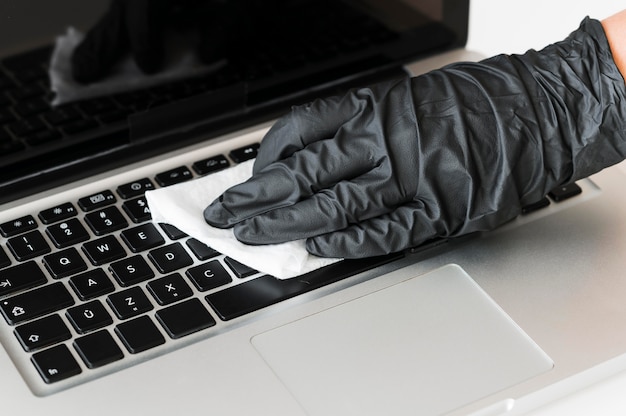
500, 322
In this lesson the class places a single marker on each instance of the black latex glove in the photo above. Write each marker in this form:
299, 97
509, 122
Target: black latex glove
141, 27
457, 150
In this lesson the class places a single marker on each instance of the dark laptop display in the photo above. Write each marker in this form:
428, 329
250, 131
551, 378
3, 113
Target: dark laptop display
278, 52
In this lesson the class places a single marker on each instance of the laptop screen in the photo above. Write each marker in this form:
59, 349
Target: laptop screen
273, 54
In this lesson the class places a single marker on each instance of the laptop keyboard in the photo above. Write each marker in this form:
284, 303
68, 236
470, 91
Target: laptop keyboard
93, 281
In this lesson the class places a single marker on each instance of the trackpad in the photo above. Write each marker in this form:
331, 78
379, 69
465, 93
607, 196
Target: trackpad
427, 345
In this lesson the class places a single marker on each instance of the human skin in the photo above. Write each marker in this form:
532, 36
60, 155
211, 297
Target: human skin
615, 30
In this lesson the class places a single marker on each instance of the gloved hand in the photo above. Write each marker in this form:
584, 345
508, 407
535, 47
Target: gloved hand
457, 150
141, 28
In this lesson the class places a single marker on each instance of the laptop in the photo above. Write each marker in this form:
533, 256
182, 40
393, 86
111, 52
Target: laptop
104, 311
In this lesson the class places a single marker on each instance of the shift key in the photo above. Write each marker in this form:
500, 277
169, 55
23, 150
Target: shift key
35, 303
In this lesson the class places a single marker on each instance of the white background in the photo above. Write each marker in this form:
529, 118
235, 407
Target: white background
508, 26
513, 26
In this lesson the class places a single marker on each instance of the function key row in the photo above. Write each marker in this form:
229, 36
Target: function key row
18, 226
137, 210
96, 201
58, 213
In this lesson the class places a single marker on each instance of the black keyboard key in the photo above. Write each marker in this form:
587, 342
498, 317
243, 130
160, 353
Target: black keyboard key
240, 269
170, 258
210, 165
98, 349
28, 246
201, 250
174, 176
139, 334
136, 188
67, 233
244, 153
42, 333
36, 303
137, 209
130, 302
91, 284
18, 226
264, 291
131, 270
58, 213
172, 232
106, 220
20, 277
98, 200
55, 364
169, 289
250, 296
185, 318
89, 317
565, 192
143, 237
64, 263
4, 261
542, 203
104, 250
209, 276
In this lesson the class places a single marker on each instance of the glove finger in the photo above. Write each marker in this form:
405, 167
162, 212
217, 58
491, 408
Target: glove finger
145, 24
102, 46
408, 226
288, 182
332, 209
306, 124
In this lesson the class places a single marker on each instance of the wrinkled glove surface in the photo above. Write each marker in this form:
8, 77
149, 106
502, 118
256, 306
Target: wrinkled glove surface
457, 150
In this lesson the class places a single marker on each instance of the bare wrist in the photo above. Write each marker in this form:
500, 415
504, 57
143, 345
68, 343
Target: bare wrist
615, 30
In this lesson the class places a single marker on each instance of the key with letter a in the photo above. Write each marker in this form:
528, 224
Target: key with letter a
91, 284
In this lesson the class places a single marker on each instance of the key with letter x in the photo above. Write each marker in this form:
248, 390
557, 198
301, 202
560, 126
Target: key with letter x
169, 289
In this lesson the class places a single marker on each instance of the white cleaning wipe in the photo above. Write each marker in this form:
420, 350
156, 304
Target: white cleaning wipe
181, 63
183, 206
